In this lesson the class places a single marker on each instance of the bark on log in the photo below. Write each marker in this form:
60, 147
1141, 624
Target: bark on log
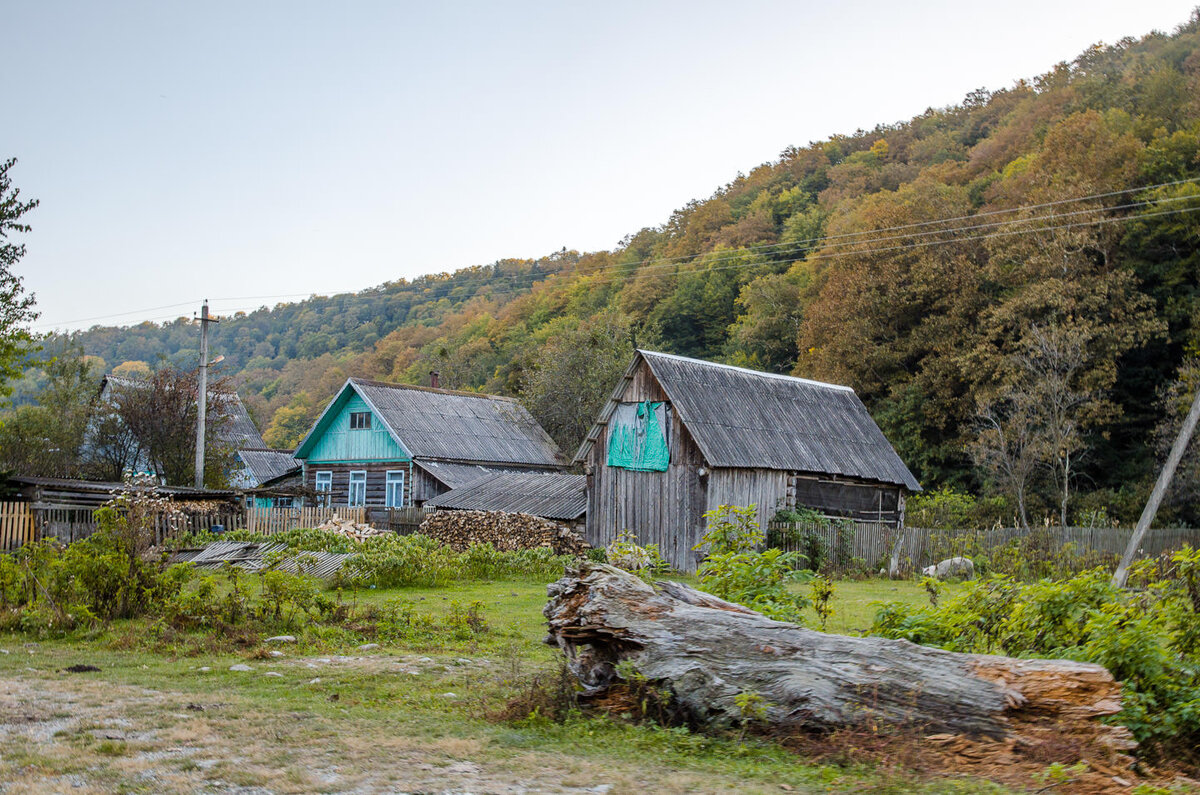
707, 652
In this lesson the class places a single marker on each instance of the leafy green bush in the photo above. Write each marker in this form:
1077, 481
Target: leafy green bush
733, 570
1147, 636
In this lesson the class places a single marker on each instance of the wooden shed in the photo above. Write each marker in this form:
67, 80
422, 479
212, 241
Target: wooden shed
682, 436
397, 445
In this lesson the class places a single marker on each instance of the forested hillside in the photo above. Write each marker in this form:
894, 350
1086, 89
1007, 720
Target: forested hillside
1029, 250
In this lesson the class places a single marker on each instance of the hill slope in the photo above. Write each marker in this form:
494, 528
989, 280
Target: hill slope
918, 262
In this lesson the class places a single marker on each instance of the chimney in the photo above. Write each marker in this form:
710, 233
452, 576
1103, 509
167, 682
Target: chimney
433, 378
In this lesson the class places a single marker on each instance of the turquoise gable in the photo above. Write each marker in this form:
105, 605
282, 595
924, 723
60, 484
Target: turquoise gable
337, 442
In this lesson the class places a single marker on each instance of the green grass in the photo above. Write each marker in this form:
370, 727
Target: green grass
384, 716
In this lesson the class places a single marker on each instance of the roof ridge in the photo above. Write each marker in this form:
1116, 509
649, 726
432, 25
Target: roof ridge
435, 390
748, 371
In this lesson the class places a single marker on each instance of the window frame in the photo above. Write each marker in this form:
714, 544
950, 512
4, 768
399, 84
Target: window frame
324, 493
350, 503
400, 477
360, 420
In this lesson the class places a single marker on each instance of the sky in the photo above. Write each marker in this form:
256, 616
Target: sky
259, 152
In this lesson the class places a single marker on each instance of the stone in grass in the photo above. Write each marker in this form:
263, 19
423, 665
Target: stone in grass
240, 667
368, 646
449, 695
275, 653
281, 639
273, 673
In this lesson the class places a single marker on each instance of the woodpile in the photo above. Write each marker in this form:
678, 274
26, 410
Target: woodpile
505, 531
708, 653
351, 529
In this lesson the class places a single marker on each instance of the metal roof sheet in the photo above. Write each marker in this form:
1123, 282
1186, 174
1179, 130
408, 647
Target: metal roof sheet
455, 475
553, 495
265, 465
458, 426
239, 431
750, 419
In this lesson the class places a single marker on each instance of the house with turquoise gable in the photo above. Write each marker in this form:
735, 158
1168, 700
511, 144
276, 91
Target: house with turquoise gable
398, 445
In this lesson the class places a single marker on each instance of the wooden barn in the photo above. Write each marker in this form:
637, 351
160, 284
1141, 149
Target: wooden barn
682, 436
397, 445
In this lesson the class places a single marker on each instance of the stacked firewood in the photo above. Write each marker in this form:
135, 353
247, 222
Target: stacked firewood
505, 531
355, 530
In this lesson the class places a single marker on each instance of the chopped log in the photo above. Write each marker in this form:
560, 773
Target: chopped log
707, 651
505, 531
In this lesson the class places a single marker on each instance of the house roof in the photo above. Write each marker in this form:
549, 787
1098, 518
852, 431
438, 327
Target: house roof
553, 495
265, 465
239, 432
751, 419
454, 475
445, 425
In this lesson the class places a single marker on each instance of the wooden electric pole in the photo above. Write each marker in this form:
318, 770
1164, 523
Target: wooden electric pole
202, 394
1160, 489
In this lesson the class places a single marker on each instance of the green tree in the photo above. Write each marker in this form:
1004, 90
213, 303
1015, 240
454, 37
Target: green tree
572, 374
16, 307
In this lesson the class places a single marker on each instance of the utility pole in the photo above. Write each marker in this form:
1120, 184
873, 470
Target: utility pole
1160, 488
202, 394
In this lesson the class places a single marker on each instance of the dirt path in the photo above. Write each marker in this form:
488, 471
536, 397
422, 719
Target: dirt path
79, 733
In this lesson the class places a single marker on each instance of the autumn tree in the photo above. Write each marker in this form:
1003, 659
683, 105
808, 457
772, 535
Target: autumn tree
160, 415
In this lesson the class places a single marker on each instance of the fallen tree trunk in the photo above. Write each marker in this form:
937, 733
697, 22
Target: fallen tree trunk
707, 652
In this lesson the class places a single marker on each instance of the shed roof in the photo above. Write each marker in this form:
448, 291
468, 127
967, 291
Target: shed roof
446, 425
751, 419
553, 495
453, 474
265, 465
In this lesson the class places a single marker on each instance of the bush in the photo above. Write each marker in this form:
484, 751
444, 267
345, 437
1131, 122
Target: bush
1148, 636
733, 570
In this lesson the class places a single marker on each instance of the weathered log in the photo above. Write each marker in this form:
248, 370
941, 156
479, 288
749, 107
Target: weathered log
707, 652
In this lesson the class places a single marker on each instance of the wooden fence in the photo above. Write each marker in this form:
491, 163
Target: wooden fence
16, 525
269, 521
867, 545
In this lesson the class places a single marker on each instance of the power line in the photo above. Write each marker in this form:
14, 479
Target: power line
864, 237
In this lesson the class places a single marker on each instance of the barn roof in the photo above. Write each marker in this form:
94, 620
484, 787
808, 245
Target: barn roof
453, 475
451, 426
265, 465
751, 419
238, 432
552, 495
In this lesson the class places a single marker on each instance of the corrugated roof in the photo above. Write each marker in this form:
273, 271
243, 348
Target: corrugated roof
746, 418
239, 431
553, 495
455, 475
455, 426
265, 465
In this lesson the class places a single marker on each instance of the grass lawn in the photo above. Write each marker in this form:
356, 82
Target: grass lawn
326, 716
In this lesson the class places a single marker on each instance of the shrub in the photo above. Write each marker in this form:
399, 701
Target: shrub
1148, 636
732, 569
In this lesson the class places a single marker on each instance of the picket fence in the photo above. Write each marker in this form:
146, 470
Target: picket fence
269, 521
16, 525
869, 544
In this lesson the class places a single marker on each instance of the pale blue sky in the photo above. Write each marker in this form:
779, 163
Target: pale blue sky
234, 149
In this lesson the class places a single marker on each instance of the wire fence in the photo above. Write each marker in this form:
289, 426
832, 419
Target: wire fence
848, 547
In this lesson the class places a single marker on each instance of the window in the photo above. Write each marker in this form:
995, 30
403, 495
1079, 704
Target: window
360, 420
323, 484
395, 488
358, 489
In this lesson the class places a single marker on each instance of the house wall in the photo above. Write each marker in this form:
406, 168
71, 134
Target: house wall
340, 443
661, 508
376, 479
425, 486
